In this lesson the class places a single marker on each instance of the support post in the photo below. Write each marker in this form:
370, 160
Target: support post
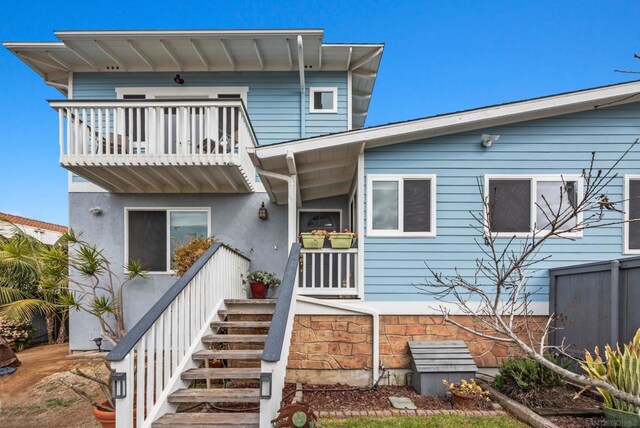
615, 302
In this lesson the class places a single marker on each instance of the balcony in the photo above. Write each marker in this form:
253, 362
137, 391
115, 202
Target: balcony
329, 272
158, 146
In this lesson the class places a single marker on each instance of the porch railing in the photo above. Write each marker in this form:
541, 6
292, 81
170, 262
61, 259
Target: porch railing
328, 271
159, 347
276, 350
101, 129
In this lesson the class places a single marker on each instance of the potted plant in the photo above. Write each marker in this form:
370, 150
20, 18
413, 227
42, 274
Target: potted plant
342, 239
259, 283
465, 395
103, 410
314, 239
620, 370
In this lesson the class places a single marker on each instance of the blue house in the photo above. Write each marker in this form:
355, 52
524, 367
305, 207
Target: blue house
167, 134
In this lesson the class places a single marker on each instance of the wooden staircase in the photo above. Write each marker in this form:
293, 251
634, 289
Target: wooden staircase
236, 343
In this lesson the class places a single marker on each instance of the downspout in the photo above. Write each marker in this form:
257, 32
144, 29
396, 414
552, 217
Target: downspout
376, 326
303, 132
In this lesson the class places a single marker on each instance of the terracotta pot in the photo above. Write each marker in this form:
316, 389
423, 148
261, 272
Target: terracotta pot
106, 419
258, 290
463, 402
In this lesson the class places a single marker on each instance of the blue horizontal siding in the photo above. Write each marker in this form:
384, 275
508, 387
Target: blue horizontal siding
273, 101
560, 145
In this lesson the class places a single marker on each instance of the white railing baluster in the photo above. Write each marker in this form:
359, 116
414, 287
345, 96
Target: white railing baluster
151, 364
140, 374
342, 267
100, 125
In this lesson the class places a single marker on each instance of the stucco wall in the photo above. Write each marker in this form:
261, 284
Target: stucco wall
234, 220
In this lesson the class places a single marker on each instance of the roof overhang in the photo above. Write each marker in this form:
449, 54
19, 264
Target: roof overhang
335, 155
202, 50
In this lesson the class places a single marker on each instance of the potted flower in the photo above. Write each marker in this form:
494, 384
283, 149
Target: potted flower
465, 394
314, 239
342, 239
259, 283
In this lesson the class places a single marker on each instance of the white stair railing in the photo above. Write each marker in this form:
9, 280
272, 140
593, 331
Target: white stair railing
151, 357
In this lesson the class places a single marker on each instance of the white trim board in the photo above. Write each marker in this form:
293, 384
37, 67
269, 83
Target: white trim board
153, 92
427, 307
452, 123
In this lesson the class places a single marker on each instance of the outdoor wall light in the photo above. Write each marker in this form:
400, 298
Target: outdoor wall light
95, 210
98, 341
265, 385
263, 214
118, 381
488, 140
179, 80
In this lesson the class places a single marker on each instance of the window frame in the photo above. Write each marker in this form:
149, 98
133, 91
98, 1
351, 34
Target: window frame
625, 223
314, 90
533, 178
399, 233
168, 211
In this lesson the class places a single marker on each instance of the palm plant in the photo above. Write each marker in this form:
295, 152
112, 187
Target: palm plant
25, 286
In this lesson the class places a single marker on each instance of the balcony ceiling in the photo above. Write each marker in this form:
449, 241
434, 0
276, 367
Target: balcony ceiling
204, 51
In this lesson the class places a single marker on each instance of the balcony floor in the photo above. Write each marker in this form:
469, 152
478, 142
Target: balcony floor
147, 178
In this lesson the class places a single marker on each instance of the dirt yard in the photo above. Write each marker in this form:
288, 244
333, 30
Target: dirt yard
34, 397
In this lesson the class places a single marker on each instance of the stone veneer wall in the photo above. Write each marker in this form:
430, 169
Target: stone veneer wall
344, 342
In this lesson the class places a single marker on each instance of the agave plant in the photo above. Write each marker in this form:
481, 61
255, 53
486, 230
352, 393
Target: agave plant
621, 369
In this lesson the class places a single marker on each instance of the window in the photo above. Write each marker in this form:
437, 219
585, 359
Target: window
518, 204
631, 213
154, 235
323, 100
401, 205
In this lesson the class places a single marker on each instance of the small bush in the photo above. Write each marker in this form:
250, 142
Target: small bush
524, 379
16, 332
186, 255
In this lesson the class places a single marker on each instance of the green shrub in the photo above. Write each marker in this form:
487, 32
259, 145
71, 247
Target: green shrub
186, 255
526, 374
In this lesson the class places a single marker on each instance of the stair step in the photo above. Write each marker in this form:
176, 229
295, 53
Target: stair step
257, 311
195, 420
250, 301
241, 324
232, 354
223, 373
236, 338
218, 395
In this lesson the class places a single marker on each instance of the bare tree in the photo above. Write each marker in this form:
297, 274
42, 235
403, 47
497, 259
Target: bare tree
497, 298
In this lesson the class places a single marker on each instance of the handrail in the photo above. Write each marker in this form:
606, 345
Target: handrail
135, 334
275, 338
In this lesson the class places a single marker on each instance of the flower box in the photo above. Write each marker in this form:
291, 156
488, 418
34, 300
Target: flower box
311, 240
341, 240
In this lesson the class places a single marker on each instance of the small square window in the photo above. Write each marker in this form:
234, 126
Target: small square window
323, 100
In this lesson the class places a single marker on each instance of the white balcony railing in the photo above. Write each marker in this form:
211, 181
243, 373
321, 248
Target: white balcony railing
155, 132
329, 272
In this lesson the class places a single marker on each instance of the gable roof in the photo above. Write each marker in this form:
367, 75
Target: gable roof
329, 161
24, 221
204, 51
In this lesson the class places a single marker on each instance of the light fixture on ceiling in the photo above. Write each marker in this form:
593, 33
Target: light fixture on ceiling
488, 140
179, 80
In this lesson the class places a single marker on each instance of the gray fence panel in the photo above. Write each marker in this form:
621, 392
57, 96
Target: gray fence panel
592, 311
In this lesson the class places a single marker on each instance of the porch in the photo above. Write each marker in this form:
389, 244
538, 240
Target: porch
158, 146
